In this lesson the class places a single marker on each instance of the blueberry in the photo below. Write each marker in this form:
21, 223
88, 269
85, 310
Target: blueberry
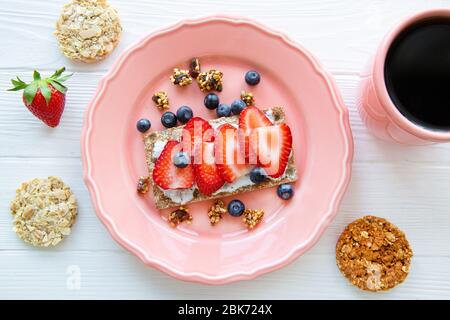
252, 77
181, 159
143, 125
258, 175
285, 191
236, 208
169, 119
184, 114
211, 101
237, 106
223, 110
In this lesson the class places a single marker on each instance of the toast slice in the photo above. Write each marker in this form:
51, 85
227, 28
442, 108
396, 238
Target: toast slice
155, 140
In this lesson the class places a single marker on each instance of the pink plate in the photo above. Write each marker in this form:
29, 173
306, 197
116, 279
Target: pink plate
113, 155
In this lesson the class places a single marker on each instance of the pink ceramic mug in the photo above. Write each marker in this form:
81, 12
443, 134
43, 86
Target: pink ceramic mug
375, 106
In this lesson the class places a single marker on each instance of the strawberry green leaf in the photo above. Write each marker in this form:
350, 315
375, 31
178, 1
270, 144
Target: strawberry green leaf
36, 76
58, 86
17, 85
45, 90
30, 92
58, 72
64, 78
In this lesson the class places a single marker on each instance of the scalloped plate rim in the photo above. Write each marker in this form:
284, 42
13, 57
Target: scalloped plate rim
236, 276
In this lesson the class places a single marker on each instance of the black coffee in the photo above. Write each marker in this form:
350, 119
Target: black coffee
417, 73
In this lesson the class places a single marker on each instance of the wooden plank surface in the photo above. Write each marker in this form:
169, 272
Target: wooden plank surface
408, 185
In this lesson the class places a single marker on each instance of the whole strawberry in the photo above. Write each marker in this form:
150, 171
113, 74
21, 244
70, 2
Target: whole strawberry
45, 98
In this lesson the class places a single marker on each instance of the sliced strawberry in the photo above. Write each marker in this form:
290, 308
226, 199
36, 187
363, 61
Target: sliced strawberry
166, 175
230, 160
272, 145
206, 173
196, 131
251, 118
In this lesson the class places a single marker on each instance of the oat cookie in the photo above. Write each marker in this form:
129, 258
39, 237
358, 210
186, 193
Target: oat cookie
44, 210
88, 30
373, 254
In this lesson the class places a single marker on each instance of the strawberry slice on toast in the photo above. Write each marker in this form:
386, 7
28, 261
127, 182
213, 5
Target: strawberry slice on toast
249, 119
207, 176
196, 131
230, 160
166, 175
272, 146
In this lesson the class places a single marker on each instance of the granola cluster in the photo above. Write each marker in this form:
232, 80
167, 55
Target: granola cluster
44, 211
88, 30
373, 254
194, 67
248, 98
178, 216
142, 185
216, 212
161, 100
253, 217
181, 77
210, 80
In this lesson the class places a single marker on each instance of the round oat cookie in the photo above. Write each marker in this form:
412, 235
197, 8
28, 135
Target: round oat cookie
44, 210
88, 30
373, 254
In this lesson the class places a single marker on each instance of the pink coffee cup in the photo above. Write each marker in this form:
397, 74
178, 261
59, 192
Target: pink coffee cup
375, 106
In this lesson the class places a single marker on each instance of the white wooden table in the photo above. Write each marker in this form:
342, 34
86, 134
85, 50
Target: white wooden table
408, 185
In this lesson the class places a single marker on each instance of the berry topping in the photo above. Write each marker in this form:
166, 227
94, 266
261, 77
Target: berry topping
211, 101
252, 77
184, 114
223, 110
166, 175
236, 208
258, 175
229, 159
181, 160
285, 191
45, 98
169, 119
143, 125
251, 118
206, 173
272, 147
237, 106
196, 131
